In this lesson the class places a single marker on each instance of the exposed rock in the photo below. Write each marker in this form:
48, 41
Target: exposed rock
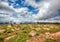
32, 33
2, 30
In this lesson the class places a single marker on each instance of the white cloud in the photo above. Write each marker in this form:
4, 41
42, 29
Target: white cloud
31, 3
56, 18
47, 9
21, 10
5, 8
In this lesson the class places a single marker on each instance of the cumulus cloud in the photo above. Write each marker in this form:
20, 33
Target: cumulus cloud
4, 7
11, 15
48, 10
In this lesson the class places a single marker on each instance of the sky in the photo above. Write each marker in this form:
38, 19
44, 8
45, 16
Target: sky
21, 11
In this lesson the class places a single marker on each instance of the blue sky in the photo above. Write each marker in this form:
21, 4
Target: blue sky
21, 5
29, 11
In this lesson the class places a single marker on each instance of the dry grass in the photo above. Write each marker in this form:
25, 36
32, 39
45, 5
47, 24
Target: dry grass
29, 32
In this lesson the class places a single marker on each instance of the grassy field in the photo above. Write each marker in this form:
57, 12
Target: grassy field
30, 32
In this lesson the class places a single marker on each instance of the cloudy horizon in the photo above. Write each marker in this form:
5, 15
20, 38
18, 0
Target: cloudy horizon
20, 11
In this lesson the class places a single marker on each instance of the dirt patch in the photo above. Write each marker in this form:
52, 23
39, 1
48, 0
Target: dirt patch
2, 30
42, 37
32, 33
9, 37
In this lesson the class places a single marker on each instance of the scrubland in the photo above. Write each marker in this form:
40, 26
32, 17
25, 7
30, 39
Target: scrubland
30, 32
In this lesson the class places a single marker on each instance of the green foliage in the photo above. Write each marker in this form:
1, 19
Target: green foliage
24, 30
50, 40
53, 30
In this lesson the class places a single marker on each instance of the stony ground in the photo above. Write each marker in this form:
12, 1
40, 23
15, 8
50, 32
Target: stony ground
29, 32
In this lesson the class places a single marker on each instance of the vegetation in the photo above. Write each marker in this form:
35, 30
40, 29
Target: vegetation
21, 32
50, 40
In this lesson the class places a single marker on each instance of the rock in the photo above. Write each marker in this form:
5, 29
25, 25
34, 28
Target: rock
2, 30
32, 33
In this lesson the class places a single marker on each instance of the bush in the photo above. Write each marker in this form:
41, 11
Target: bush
50, 40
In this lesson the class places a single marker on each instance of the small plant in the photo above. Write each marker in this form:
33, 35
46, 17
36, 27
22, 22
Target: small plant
1, 37
50, 40
8, 31
30, 36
